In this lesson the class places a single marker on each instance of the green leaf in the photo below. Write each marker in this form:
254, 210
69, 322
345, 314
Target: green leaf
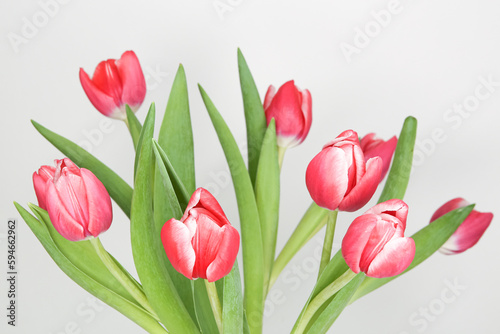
176, 141
134, 126
203, 308
251, 237
267, 195
117, 188
176, 134
399, 175
427, 241
149, 118
167, 183
87, 271
325, 318
180, 192
255, 117
147, 248
232, 305
311, 223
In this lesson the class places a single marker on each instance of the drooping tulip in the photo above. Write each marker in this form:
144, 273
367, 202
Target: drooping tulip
376, 147
375, 243
291, 108
338, 177
78, 204
203, 244
114, 84
469, 232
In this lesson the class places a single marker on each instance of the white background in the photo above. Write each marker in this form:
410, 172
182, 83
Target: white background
428, 57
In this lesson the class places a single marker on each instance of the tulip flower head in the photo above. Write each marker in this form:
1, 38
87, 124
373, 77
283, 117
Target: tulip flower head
203, 243
469, 232
375, 147
375, 243
338, 177
78, 204
114, 84
292, 110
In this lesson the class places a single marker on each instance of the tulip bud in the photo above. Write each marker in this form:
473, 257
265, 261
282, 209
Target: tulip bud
375, 242
292, 110
203, 243
78, 204
338, 177
114, 84
375, 147
469, 232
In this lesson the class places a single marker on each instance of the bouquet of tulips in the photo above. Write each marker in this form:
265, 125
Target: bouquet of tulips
184, 246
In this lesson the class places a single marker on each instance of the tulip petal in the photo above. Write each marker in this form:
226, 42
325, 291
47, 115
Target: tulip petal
62, 220
449, 206
176, 238
364, 190
206, 243
396, 256
271, 91
99, 204
356, 238
380, 235
73, 195
394, 207
380, 148
468, 233
226, 255
326, 177
132, 78
107, 79
208, 202
307, 112
105, 104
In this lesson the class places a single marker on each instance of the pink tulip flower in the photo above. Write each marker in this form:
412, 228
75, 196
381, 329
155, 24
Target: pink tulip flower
78, 204
469, 232
203, 243
375, 243
291, 108
338, 177
375, 147
114, 84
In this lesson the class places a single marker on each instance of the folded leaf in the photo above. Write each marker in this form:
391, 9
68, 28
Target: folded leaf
255, 117
134, 126
146, 244
232, 305
87, 271
251, 237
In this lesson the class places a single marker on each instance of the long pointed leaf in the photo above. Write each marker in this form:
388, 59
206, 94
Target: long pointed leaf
117, 188
399, 175
147, 248
267, 194
134, 126
232, 306
203, 308
255, 118
251, 236
98, 285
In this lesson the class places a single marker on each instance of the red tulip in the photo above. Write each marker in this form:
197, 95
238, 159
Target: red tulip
338, 177
203, 243
77, 202
375, 242
292, 110
114, 84
469, 232
375, 147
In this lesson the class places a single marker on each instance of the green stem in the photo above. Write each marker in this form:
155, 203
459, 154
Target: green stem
125, 280
327, 245
215, 303
281, 155
321, 298
311, 223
